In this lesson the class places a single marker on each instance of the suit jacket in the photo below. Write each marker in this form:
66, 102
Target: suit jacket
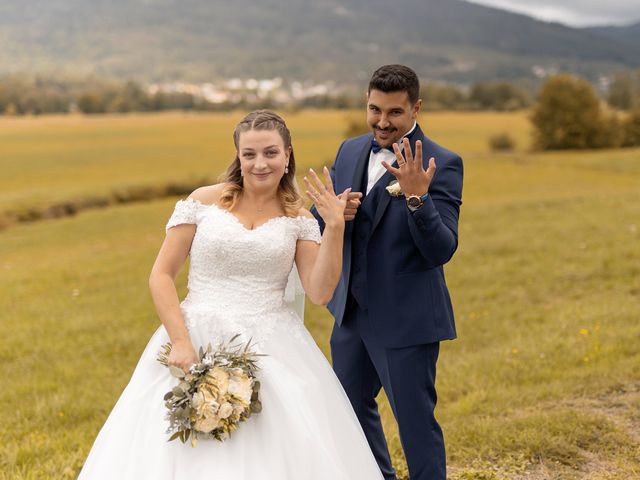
408, 300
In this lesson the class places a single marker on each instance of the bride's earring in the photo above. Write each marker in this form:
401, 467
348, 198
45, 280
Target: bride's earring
286, 169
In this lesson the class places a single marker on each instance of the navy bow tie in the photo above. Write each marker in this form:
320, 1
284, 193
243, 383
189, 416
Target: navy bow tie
375, 146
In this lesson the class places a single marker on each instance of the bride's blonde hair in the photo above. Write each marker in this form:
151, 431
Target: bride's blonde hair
287, 189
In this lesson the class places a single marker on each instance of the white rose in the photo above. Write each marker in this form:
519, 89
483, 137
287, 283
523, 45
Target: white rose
220, 378
240, 387
206, 424
226, 409
210, 409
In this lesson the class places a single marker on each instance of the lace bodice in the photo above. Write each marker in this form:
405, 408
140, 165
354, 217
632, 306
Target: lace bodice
237, 276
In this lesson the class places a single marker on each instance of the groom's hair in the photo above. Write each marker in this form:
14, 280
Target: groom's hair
396, 78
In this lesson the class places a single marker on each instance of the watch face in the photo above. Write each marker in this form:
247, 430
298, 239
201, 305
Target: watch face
414, 201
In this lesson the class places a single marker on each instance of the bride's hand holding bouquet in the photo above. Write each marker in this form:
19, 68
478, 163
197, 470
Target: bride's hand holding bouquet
214, 394
182, 355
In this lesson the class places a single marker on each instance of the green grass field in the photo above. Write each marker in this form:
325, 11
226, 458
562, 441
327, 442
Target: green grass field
542, 383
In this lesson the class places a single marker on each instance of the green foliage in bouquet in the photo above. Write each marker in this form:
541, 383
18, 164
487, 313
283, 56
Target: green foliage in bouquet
215, 395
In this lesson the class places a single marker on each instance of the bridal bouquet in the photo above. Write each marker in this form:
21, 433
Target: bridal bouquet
215, 395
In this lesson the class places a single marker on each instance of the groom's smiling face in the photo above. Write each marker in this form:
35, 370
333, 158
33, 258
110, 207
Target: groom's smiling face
390, 115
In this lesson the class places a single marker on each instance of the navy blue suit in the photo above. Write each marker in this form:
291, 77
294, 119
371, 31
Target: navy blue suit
392, 306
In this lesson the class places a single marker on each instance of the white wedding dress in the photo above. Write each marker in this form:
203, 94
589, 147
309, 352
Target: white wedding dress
306, 430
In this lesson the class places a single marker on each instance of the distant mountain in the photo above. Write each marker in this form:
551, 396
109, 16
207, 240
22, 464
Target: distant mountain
629, 33
343, 40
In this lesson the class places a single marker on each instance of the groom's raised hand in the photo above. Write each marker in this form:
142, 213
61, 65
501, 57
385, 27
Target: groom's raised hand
353, 202
410, 172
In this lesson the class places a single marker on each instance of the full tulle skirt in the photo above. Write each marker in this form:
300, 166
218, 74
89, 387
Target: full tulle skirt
306, 430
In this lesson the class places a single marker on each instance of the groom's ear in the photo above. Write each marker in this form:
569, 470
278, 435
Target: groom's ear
416, 107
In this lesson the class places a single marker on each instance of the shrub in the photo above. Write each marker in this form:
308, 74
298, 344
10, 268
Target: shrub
502, 142
568, 114
91, 103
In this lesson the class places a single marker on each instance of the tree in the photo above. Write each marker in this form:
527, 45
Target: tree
622, 91
568, 114
442, 97
500, 96
632, 129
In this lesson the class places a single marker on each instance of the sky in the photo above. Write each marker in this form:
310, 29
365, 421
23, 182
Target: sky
576, 13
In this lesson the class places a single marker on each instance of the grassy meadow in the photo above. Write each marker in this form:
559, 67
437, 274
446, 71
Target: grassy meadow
55, 158
542, 383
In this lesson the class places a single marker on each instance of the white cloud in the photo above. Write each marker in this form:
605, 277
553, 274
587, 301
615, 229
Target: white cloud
573, 12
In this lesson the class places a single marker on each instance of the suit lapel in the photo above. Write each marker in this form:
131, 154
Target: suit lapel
358, 175
384, 198
356, 185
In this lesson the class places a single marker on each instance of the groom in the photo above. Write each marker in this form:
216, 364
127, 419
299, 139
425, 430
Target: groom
392, 307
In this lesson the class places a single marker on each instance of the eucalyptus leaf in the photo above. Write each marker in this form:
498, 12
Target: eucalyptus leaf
178, 392
176, 371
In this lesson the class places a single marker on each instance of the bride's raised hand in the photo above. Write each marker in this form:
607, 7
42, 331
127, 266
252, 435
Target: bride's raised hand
329, 205
182, 355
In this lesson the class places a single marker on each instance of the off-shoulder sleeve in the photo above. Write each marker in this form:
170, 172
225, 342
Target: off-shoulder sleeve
308, 229
185, 212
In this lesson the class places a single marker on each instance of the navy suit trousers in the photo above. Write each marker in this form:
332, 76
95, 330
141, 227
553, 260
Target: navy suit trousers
407, 375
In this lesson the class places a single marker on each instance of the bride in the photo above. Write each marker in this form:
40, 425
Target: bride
243, 237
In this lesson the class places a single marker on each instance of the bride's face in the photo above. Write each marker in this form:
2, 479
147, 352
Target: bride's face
263, 158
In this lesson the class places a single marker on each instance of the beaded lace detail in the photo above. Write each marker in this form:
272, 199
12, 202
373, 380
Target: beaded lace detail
237, 276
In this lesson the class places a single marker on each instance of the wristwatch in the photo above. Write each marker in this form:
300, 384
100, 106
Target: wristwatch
414, 202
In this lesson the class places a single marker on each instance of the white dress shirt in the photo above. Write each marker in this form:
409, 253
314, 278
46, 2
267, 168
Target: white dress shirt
376, 170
